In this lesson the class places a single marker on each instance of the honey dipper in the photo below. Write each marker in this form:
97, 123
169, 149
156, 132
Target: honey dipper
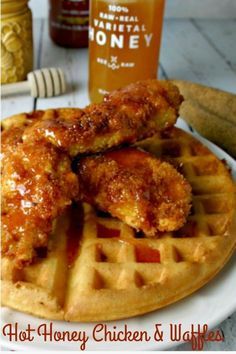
42, 83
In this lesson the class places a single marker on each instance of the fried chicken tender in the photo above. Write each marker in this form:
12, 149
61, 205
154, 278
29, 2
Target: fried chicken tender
125, 116
37, 185
10, 139
130, 184
37, 178
12, 129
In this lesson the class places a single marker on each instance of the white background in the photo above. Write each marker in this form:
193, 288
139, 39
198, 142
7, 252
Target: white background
174, 8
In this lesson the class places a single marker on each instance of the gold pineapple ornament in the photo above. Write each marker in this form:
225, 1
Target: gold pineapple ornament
16, 40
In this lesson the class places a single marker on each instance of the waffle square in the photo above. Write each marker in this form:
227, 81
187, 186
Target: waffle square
97, 268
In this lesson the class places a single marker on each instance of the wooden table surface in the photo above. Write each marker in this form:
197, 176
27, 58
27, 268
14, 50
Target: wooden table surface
203, 51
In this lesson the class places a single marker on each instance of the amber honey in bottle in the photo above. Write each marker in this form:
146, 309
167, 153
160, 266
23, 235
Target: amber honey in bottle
124, 43
68, 22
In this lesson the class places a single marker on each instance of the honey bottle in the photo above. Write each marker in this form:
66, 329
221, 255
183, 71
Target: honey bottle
124, 43
68, 22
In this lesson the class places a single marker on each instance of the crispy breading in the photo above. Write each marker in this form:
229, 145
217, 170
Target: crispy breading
38, 182
103, 270
144, 192
126, 115
9, 141
12, 129
37, 185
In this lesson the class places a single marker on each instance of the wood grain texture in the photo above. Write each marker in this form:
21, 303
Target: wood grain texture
174, 8
187, 55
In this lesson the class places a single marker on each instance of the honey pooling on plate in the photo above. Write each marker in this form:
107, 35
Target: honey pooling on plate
124, 43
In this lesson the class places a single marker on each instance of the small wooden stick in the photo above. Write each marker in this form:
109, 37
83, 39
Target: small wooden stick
41, 83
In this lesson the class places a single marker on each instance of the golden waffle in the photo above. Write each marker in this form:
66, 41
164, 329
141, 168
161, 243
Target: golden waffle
97, 268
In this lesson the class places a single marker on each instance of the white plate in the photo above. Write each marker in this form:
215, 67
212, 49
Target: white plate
210, 305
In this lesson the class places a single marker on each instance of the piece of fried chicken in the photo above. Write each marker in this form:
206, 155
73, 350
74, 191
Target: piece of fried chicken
37, 179
139, 189
126, 116
37, 185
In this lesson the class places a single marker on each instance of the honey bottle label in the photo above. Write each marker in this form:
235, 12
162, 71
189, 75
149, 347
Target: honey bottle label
124, 42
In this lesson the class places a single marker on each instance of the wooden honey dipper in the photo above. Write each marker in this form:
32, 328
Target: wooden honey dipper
42, 83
